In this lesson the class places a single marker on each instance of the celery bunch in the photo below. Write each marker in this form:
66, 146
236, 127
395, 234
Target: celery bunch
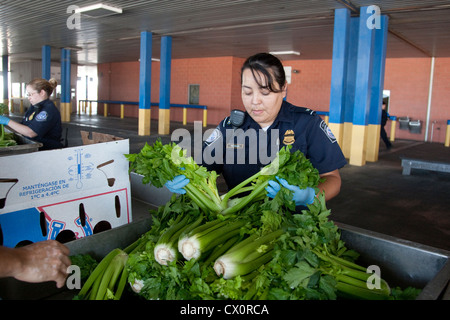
160, 163
202, 246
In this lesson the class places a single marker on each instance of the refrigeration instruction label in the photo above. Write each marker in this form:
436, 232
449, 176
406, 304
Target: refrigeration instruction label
43, 189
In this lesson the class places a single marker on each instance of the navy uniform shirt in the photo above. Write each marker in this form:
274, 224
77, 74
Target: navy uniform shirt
239, 153
45, 120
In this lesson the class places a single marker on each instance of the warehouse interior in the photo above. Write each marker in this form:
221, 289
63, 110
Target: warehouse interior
105, 57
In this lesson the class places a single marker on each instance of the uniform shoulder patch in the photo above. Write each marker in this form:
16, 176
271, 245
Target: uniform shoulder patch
214, 136
327, 131
42, 116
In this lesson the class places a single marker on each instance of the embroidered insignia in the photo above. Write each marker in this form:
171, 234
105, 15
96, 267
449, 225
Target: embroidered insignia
289, 137
327, 131
216, 134
42, 116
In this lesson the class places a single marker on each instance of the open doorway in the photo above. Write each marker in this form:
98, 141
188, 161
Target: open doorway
386, 98
87, 84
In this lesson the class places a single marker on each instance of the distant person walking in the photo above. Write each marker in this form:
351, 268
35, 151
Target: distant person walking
384, 118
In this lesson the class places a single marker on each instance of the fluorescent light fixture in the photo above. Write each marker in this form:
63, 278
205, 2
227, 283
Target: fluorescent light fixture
285, 52
98, 10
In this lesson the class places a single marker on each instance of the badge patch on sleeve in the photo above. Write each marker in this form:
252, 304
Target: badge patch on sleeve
42, 116
327, 131
216, 134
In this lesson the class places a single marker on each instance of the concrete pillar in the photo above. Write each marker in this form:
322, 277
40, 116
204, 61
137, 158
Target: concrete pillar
341, 42
364, 67
164, 85
351, 84
145, 76
379, 62
46, 62
66, 105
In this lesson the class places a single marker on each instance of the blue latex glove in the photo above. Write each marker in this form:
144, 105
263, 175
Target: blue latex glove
4, 120
302, 197
177, 184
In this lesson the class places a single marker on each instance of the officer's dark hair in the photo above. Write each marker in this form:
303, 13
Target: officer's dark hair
270, 67
42, 84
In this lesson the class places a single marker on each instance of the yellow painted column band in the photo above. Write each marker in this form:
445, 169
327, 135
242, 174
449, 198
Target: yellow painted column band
393, 126
65, 110
164, 121
358, 145
105, 110
205, 117
184, 116
338, 131
62, 111
144, 122
68, 111
122, 111
447, 136
373, 142
347, 139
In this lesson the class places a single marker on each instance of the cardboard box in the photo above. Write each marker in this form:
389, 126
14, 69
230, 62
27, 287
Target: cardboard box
64, 194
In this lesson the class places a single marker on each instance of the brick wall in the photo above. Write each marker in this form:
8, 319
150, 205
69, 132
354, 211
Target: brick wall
219, 80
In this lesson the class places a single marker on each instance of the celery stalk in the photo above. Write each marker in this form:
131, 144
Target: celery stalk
201, 240
246, 256
165, 249
98, 272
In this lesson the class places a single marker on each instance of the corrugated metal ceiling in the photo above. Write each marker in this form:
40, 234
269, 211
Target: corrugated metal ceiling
209, 28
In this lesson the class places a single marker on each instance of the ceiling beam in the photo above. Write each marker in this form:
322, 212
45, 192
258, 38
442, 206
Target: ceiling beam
405, 39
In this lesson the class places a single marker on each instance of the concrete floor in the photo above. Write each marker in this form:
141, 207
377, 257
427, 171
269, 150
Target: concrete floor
375, 197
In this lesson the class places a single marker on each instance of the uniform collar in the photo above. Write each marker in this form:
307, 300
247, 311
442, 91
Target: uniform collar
40, 104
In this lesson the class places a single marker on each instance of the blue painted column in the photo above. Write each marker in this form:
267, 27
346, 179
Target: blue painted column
376, 94
363, 82
164, 85
46, 62
351, 85
145, 75
5, 64
341, 43
66, 107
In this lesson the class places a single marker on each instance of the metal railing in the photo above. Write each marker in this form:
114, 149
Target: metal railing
85, 104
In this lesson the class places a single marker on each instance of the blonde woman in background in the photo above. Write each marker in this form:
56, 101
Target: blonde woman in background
42, 121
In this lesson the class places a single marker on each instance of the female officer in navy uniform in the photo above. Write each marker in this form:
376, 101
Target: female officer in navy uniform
263, 91
42, 121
